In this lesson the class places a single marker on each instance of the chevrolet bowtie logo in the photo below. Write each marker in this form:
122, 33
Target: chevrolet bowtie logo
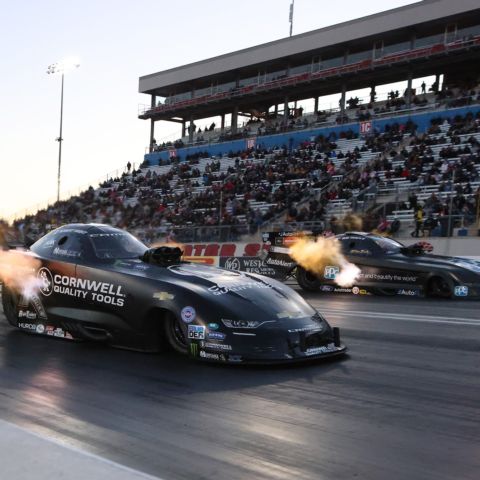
163, 296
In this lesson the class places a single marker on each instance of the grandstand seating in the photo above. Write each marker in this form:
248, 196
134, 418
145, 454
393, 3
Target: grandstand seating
321, 180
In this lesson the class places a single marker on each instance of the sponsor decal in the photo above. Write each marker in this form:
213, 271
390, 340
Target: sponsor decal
232, 264
342, 290
212, 356
196, 332
388, 277
359, 291
249, 265
73, 230
330, 272
40, 328
286, 314
188, 314
46, 279
66, 253
360, 252
163, 296
278, 262
194, 349
225, 281
28, 326
102, 292
96, 235
141, 267
57, 332
27, 315
408, 292
215, 346
213, 326
461, 291
327, 288
216, 290
38, 305
318, 350
215, 275
216, 336
235, 358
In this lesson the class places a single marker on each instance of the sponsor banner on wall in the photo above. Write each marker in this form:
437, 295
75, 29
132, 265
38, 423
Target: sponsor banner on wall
249, 265
237, 249
366, 128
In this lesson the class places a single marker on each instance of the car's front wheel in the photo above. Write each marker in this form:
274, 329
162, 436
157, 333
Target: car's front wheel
175, 334
308, 281
10, 305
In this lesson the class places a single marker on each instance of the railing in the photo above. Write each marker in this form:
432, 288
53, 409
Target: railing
424, 52
190, 234
445, 104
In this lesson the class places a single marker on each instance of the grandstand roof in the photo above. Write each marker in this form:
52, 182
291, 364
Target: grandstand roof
424, 14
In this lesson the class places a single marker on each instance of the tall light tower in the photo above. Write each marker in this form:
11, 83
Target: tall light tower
290, 17
62, 67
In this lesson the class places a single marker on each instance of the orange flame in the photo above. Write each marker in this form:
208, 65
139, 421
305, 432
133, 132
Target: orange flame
314, 256
18, 271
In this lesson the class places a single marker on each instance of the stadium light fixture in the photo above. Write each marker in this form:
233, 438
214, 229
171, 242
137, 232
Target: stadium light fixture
60, 68
290, 16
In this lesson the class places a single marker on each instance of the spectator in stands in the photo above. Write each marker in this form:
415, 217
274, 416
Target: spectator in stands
429, 225
418, 222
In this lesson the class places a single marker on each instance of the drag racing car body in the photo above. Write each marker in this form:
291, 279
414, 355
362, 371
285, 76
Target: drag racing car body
386, 267
99, 283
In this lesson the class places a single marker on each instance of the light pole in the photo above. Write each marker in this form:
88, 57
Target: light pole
61, 68
290, 16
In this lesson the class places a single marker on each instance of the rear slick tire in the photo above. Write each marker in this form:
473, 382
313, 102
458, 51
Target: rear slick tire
10, 305
307, 280
439, 287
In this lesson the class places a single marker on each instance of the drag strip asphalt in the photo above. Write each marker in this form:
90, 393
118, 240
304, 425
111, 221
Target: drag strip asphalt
403, 404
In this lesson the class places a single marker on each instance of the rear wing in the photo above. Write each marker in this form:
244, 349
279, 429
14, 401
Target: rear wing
282, 241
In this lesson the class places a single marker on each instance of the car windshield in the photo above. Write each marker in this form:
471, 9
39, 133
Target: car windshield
116, 245
388, 245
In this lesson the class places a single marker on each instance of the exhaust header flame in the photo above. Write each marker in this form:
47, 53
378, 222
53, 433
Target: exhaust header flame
314, 256
18, 272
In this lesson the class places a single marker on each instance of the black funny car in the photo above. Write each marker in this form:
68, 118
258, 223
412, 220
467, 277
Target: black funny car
386, 267
99, 283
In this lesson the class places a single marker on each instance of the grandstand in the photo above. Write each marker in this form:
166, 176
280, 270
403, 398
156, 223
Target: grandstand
288, 168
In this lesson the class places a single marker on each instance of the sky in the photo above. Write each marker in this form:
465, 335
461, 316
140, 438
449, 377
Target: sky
117, 41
